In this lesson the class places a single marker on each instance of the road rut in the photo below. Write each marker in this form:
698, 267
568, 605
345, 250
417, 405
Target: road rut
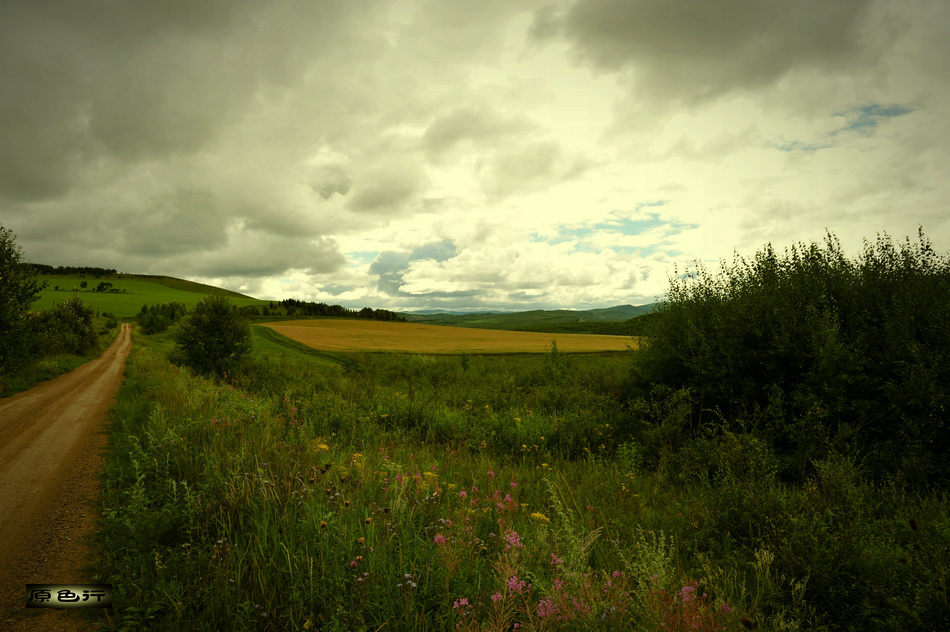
51, 438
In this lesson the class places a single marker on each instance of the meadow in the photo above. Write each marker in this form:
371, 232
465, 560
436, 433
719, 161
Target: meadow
133, 293
338, 334
469, 492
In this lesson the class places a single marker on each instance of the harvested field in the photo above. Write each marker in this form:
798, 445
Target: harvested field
339, 334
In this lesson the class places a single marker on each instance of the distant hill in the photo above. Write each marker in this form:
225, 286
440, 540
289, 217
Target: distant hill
604, 320
127, 293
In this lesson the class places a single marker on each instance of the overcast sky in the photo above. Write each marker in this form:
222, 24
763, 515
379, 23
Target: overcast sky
505, 154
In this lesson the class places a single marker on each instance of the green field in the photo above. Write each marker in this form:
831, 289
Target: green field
138, 291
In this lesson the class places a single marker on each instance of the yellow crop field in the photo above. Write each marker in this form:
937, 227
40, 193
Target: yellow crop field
340, 334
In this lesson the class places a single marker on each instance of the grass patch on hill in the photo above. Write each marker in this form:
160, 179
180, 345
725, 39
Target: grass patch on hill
132, 295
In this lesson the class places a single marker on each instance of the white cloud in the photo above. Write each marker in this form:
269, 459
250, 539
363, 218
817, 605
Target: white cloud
405, 154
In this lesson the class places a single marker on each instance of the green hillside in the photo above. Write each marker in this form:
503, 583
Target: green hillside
129, 292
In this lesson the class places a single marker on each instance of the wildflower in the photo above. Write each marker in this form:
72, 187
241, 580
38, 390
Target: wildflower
323, 524
367, 520
555, 560
491, 474
460, 603
496, 597
540, 517
463, 494
514, 540
726, 608
515, 585
440, 539
513, 484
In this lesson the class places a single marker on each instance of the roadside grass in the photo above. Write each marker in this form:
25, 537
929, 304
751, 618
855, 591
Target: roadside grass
50, 367
467, 492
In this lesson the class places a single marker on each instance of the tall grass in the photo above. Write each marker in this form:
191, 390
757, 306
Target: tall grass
421, 493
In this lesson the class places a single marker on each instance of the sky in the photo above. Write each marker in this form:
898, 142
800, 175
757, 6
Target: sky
463, 155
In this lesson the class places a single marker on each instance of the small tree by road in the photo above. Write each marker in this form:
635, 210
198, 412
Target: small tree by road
18, 289
214, 337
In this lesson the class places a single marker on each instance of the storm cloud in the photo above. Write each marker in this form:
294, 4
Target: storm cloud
501, 154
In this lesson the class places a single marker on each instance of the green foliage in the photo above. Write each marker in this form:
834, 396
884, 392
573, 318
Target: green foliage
159, 317
214, 337
815, 351
67, 328
18, 289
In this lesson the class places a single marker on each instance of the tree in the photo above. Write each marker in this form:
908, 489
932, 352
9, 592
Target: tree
214, 337
18, 289
84, 285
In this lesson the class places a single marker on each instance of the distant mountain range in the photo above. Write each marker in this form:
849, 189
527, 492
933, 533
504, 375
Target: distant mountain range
534, 320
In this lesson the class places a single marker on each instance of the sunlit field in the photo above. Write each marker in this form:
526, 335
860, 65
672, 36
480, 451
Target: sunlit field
362, 335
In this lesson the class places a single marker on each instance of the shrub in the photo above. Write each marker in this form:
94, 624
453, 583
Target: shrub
815, 351
18, 289
67, 328
214, 337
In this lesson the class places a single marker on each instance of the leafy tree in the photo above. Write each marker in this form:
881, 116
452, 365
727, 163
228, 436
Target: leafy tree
214, 337
817, 353
67, 328
18, 290
84, 285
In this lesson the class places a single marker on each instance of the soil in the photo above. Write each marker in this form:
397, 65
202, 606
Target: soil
51, 442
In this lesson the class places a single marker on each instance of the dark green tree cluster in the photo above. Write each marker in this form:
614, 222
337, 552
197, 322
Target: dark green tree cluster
18, 290
41, 268
158, 318
214, 337
293, 307
816, 352
67, 328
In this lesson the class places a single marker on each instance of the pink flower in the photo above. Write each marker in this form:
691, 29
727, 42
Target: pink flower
726, 608
513, 484
461, 603
440, 539
491, 474
515, 585
463, 494
496, 597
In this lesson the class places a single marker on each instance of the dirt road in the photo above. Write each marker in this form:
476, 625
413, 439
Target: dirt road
50, 442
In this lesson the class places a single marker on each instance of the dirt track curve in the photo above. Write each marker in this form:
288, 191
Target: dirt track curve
51, 437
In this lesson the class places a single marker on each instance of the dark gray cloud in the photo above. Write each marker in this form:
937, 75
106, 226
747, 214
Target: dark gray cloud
476, 125
693, 50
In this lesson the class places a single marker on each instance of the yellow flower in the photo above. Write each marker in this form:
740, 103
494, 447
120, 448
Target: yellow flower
322, 447
540, 517
430, 476
451, 486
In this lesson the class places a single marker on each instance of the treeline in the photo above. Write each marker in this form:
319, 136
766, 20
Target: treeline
158, 318
293, 307
41, 268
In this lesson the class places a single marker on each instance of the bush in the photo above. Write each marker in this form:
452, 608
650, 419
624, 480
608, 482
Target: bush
67, 328
18, 289
214, 337
817, 352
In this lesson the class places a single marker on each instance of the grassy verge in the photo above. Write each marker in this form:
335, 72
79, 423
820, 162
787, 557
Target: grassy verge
54, 366
438, 493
